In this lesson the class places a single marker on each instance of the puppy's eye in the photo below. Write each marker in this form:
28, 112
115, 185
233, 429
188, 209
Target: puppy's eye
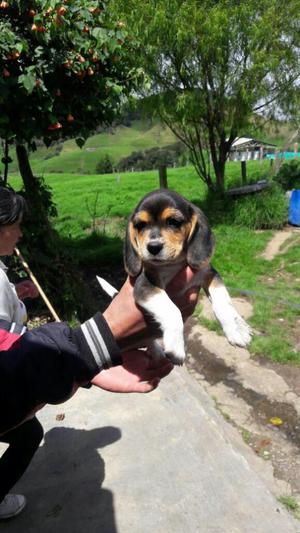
174, 222
140, 225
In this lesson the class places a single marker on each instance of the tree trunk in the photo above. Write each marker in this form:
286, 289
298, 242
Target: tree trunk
6, 161
25, 168
219, 165
219, 171
32, 191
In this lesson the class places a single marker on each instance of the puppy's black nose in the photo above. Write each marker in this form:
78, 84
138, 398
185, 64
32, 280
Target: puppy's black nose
154, 247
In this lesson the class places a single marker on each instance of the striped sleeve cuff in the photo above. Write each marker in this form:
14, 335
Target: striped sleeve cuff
98, 344
13, 327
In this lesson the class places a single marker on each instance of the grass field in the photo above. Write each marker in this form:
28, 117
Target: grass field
80, 199
271, 286
103, 203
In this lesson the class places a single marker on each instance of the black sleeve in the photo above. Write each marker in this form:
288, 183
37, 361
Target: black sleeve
42, 365
63, 355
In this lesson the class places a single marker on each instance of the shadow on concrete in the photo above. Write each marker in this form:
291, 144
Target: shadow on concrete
63, 484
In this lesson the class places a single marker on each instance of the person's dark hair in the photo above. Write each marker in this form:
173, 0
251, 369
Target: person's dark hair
12, 206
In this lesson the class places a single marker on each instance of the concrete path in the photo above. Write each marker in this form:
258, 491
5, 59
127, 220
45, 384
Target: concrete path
166, 462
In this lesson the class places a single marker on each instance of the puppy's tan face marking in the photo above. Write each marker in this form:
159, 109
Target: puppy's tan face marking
192, 225
169, 213
175, 229
161, 237
142, 217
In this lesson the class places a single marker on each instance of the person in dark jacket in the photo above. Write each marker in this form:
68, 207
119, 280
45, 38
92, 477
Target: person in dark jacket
49, 363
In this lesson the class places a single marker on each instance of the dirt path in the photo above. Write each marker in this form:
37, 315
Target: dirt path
275, 244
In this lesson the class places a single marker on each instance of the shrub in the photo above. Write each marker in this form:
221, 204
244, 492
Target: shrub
267, 209
54, 152
154, 157
105, 165
288, 175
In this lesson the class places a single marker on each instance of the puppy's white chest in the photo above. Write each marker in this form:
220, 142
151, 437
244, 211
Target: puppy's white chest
154, 299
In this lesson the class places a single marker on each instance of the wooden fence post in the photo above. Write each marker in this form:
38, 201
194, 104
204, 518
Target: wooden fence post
244, 172
163, 179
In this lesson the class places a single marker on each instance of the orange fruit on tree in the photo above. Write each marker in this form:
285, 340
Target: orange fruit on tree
55, 126
61, 11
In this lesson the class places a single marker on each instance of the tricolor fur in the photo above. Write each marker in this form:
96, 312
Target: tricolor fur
164, 234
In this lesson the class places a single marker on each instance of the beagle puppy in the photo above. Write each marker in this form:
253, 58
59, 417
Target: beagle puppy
164, 234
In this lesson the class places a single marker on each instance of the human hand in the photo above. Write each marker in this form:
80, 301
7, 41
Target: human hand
138, 373
129, 324
186, 301
26, 289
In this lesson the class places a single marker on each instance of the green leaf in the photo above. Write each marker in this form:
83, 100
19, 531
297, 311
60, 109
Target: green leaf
117, 89
39, 51
44, 79
99, 34
19, 47
80, 142
28, 81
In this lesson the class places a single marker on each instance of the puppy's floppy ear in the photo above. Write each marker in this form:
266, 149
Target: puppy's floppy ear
201, 240
132, 262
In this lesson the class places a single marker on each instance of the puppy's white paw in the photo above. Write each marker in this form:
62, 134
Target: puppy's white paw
237, 331
174, 347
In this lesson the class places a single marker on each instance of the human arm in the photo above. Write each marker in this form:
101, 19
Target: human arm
138, 371
128, 323
51, 361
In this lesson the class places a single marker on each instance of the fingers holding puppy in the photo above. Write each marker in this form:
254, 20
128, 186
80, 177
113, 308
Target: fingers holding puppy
138, 373
126, 320
185, 300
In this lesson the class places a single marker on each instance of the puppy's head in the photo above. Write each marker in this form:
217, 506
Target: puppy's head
165, 228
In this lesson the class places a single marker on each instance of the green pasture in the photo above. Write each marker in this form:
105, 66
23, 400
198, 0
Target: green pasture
79, 198
92, 213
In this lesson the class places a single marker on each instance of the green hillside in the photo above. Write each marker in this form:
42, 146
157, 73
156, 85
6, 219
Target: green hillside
118, 143
67, 157
283, 134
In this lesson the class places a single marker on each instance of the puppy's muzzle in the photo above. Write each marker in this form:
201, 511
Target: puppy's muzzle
154, 247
